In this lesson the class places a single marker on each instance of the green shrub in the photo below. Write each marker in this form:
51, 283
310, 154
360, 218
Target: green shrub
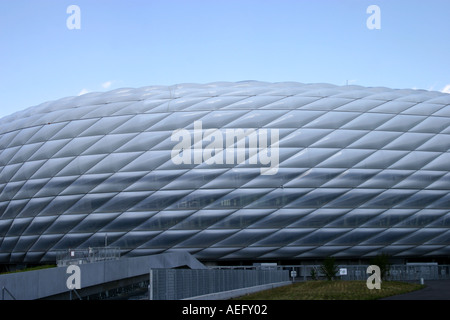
329, 268
382, 261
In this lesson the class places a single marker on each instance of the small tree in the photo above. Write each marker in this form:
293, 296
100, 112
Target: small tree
382, 261
313, 273
329, 268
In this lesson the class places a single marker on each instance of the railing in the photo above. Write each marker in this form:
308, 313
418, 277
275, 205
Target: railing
413, 272
88, 255
397, 272
176, 284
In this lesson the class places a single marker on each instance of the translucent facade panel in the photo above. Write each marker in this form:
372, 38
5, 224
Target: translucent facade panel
194, 179
327, 104
436, 143
332, 120
278, 198
355, 218
104, 125
245, 237
155, 180
401, 123
69, 130
159, 200
318, 237
432, 125
34, 207
389, 236
89, 203
202, 219
134, 239
84, 184
422, 218
138, 123
421, 179
64, 223
280, 218
386, 179
389, 198
354, 171
351, 178
264, 181
143, 141
309, 157
164, 220
239, 198
199, 199
354, 198
60, 204
25, 152
294, 119
355, 236
94, 221
48, 149
124, 201
316, 198
421, 236
176, 121
303, 138
409, 141
318, 218
368, 121
9, 190
205, 238
284, 237
255, 119
169, 238
39, 225
241, 218
24, 243
127, 221
18, 226
389, 218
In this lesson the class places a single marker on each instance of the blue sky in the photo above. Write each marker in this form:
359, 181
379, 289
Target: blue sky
137, 43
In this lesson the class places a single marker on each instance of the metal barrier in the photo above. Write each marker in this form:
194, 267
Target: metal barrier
88, 255
176, 284
408, 272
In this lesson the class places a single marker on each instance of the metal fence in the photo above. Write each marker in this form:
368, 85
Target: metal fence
80, 256
408, 272
176, 284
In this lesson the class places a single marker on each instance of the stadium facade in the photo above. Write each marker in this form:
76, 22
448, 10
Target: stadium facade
229, 171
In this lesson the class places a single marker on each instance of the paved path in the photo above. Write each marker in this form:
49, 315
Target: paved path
434, 290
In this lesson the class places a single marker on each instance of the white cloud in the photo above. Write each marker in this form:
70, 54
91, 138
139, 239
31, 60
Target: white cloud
446, 89
104, 85
83, 91
107, 84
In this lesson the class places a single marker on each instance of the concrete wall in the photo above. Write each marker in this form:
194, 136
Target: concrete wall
225, 295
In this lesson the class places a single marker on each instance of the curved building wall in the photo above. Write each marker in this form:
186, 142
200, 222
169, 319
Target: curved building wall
245, 170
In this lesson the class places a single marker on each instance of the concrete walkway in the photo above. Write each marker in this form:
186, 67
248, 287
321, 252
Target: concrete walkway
434, 290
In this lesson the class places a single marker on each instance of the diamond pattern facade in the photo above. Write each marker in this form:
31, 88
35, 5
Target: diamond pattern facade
360, 171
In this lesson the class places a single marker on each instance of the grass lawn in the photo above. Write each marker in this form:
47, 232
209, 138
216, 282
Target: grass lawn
333, 290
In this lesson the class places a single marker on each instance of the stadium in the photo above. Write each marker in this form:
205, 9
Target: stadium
229, 172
